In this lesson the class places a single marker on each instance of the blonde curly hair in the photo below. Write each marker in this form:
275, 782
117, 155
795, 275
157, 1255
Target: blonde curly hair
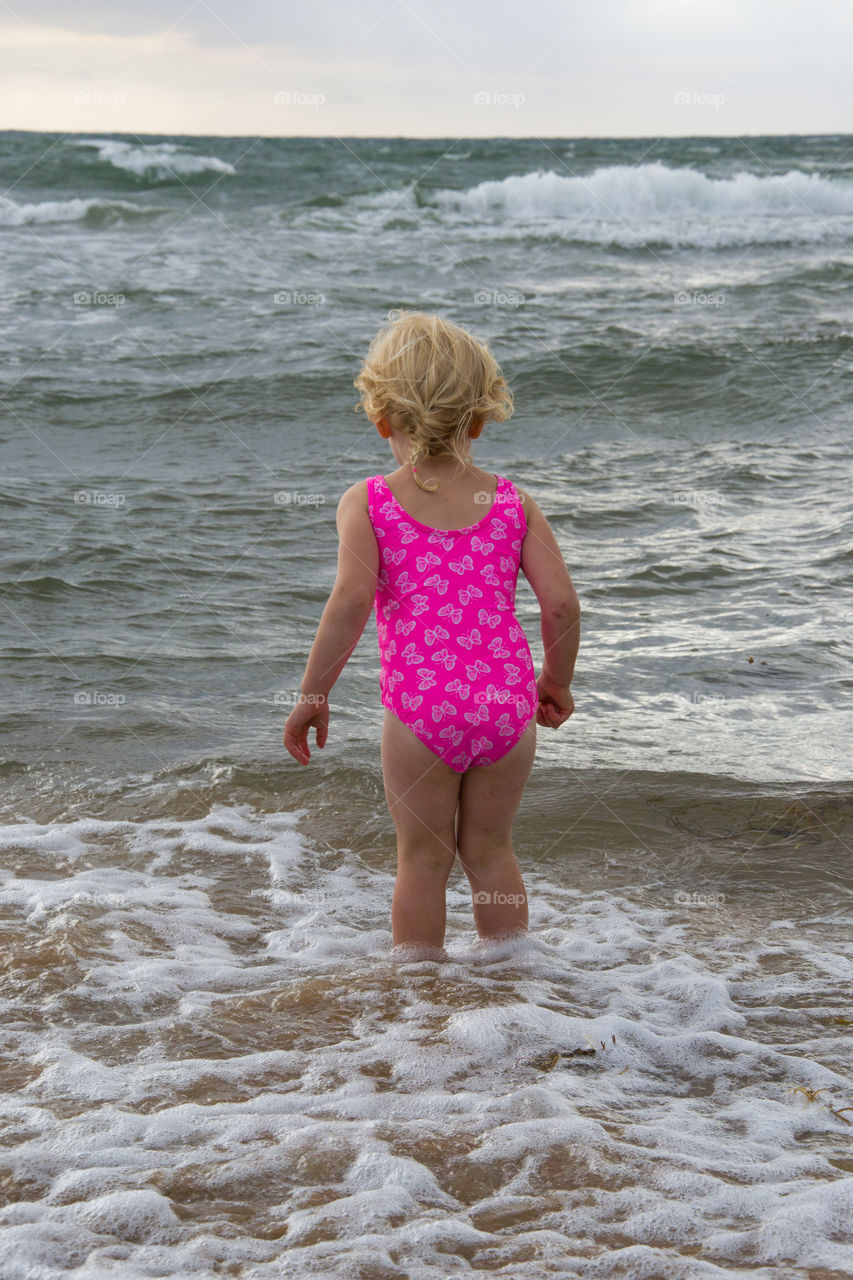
432, 380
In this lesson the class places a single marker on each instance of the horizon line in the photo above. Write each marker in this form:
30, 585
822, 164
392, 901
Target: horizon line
436, 137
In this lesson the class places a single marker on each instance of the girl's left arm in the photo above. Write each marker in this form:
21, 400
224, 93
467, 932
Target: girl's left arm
341, 624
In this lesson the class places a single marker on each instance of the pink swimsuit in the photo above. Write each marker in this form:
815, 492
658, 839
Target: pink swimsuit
456, 667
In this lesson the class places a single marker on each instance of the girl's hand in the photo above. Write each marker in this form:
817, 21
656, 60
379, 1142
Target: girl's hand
312, 709
556, 703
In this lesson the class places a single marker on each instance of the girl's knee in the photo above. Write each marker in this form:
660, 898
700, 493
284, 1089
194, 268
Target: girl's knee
429, 858
485, 852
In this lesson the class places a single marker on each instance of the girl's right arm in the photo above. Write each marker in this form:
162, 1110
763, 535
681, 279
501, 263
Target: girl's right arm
545, 569
344, 618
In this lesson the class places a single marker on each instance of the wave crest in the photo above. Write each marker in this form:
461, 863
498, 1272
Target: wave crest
160, 161
92, 211
636, 204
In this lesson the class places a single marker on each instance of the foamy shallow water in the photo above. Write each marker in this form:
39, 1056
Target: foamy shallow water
214, 1065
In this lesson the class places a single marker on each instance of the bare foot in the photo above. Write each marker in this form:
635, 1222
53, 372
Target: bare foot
407, 952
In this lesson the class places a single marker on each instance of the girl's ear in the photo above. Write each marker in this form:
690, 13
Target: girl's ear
383, 427
475, 428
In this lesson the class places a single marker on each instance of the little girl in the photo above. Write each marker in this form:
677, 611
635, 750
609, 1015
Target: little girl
436, 546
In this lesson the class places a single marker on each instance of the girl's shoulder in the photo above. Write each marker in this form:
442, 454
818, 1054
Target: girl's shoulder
371, 483
509, 484
367, 494
360, 487
357, 496
533, 517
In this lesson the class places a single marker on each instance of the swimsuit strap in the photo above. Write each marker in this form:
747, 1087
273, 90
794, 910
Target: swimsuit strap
372, 496
506, 495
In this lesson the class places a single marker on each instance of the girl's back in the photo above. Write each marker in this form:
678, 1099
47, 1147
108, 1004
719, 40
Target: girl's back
456, 667
463, 496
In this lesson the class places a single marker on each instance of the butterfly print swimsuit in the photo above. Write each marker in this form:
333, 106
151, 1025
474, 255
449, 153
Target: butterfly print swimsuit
455, 665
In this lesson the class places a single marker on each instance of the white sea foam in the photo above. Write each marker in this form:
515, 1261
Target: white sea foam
227, 1071
158, 160
633, 204
14, 214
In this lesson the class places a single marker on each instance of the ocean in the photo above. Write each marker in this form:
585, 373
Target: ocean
212, 1064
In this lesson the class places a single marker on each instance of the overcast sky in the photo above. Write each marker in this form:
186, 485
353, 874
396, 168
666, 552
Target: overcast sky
458, 68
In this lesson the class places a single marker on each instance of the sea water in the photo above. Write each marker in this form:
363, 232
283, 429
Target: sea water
213, 1062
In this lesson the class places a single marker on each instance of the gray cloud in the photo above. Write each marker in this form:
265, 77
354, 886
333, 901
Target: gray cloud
583, 65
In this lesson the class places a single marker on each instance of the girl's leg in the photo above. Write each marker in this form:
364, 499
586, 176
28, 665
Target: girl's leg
488, 800
422, 793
